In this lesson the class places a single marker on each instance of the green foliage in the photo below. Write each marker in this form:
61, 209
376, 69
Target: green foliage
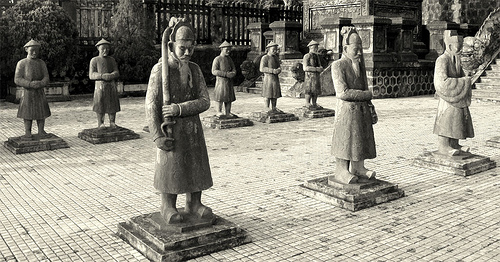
134, 41
45, 22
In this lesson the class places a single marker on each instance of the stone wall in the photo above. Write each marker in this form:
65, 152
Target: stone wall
403, 81
459, 11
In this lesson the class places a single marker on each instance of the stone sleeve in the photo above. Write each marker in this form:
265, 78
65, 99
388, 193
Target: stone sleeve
202, 104
154, 102
342, 89
93, 73
264, 65
450, 89
115, 73
19, 77
216, 71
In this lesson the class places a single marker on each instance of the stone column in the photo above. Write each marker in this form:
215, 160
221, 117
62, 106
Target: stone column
436, 31
373, 33
258, 42
402, 33
331, 32
287, 36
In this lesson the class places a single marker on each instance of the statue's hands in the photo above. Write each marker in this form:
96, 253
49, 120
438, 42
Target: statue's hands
170, 110
106, 77
231, 74
164, 143
277, 71
319, 69
35, 84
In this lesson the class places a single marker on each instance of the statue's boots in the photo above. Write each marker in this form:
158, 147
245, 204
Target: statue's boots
342, 173
358, 168
455, 145
168, 210
195, 207
445, 146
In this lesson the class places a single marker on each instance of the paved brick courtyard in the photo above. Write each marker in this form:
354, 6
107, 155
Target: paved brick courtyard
64, 205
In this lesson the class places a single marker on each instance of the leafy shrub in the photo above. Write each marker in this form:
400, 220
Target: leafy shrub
45, 22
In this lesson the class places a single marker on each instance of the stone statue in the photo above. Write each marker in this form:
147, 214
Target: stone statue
270, 66
353, 139
184, 167
33, 76
224, 70
453, 119
312, 69
104, 70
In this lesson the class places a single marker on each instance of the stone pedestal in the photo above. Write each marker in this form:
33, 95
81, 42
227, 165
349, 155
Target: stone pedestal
287, 35
352, 197
273, 117
224, 123
314, 113
161, 242
107, 135
258, 42
373, 33
436, 43
462, 165
331, 32
493, 142
18, 145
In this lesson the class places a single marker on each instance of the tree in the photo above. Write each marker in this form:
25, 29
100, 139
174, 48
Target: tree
45, 22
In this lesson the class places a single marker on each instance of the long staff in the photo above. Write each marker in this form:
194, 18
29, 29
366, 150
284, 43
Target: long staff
166, 126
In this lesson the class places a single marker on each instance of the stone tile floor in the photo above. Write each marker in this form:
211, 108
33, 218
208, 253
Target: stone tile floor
64, 205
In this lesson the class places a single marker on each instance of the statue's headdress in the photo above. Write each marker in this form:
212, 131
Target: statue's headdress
350, 35
272, 43
451, 36
102, 42
32, 43
225, 44
312, 43
180, 29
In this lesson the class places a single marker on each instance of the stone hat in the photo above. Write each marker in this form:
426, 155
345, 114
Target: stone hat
225, 44
32, 43
312, 43
451, 36
180, 29
102, 42
350, 35
272, 43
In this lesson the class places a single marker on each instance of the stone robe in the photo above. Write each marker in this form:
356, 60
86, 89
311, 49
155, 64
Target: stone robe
353, 137
106, 99
224, 90
271, 83
33, 104
312, 85
185, 168
453, 117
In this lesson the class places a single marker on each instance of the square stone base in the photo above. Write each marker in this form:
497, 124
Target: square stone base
17, 145
159, 241
267, 117
314, 113
352, 197
224, 123
462, 165
493, 142
107, 135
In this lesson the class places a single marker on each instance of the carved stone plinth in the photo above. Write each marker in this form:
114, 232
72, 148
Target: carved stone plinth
493, 142
462, 165
351, 196
224, 123
18, 145
107, 135
314, 113
159, 241
273, 117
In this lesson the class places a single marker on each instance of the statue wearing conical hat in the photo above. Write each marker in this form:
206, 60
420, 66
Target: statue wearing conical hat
312, 68
353, 140
104, 70
453, 119
33, 76
183, 167
224, 69
270, 66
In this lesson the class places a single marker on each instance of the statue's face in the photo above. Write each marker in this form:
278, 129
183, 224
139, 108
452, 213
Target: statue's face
353, 51
103, 49
313, 49
33, 51
183, 49
225, 51
273, 50
455, 48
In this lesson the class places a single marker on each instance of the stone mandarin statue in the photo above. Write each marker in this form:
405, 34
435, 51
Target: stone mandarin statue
453, 119
353, 139
32, 74
270, 66
224, 70
184, 167
312, 69
104, 70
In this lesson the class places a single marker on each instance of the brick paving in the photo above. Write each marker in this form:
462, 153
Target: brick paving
64, 205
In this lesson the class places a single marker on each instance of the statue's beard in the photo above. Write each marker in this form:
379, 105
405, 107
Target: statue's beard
356, 67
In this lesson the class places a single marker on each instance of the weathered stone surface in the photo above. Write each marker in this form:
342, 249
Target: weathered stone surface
353, 197
267, 117
314, 113
493, 142
143, 233
17, 145
462, 165
107, 135
224, 123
